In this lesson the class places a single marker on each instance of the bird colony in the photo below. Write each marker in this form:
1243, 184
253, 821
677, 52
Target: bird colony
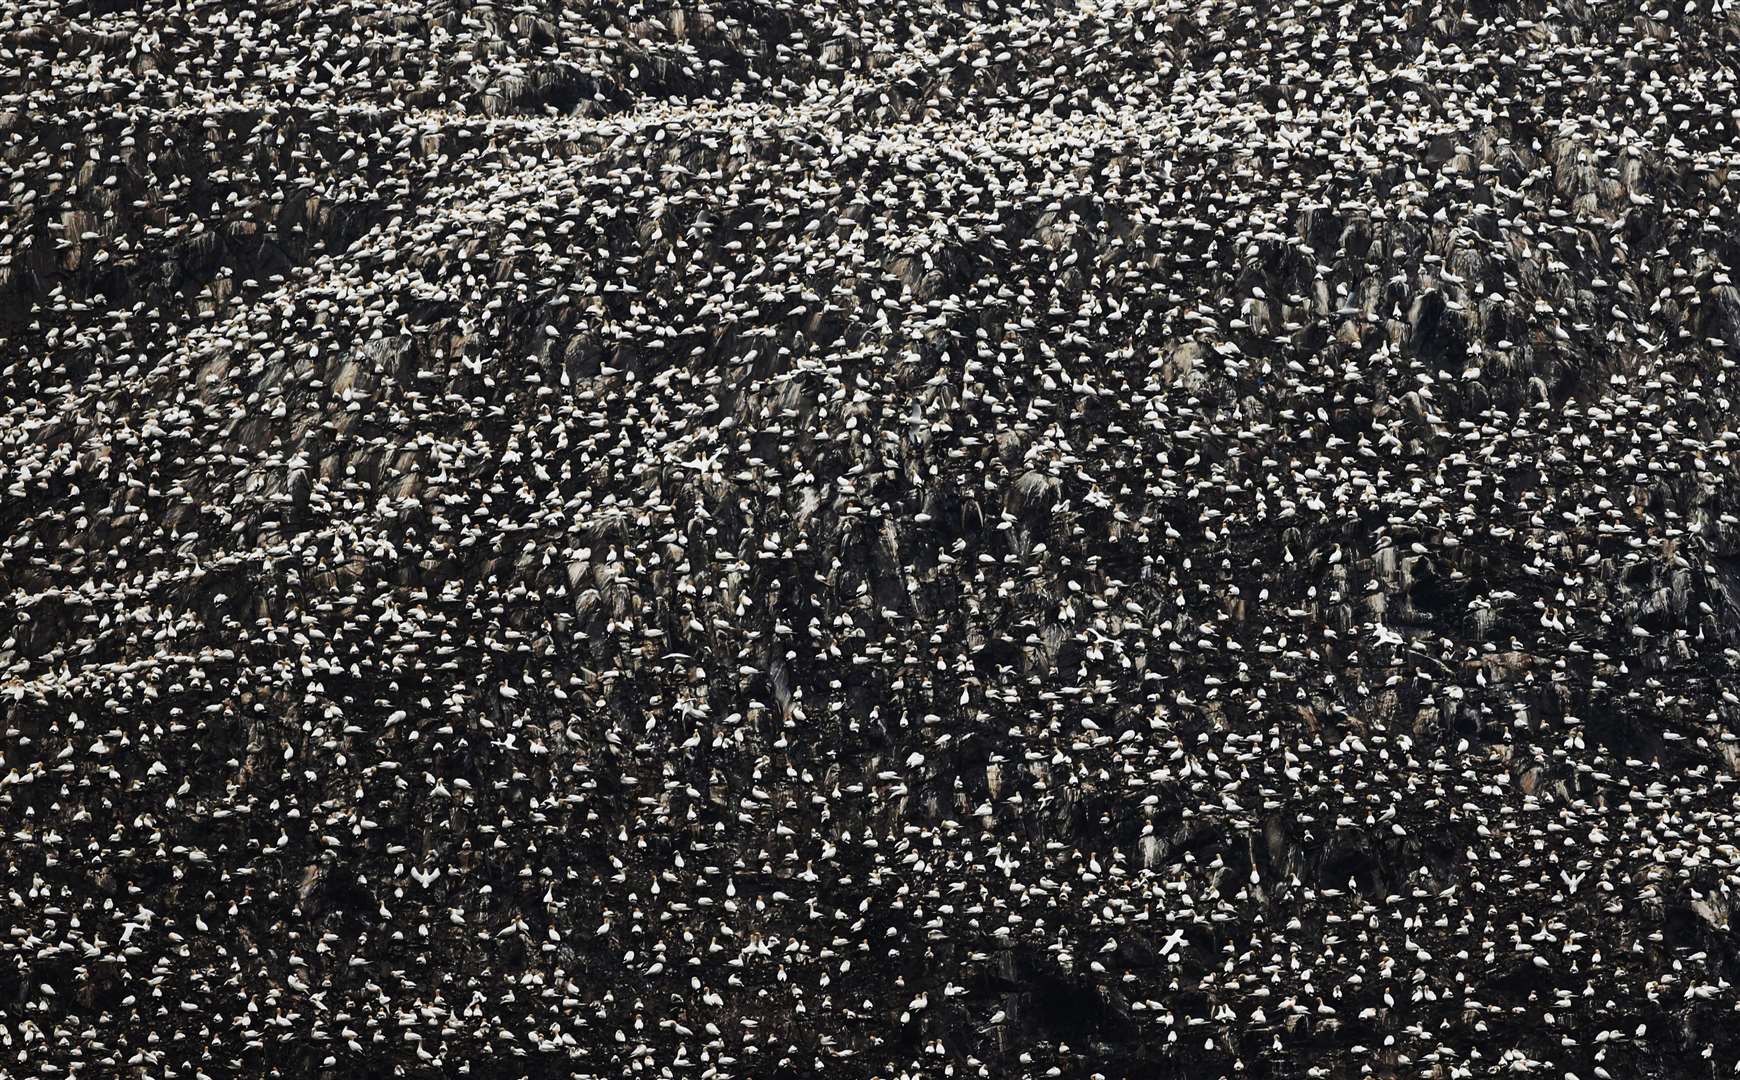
901, 539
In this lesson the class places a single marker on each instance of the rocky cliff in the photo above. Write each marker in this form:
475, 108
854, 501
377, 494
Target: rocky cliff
922, 539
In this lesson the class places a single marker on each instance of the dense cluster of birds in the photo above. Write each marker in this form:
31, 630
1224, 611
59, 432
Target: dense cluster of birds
913, 539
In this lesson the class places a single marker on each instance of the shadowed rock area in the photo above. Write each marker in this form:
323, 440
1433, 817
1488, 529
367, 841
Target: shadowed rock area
733, 540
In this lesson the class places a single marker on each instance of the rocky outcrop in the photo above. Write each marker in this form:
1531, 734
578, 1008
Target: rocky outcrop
721, 541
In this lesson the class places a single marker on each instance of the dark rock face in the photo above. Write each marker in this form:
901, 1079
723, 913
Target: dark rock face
920, 540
